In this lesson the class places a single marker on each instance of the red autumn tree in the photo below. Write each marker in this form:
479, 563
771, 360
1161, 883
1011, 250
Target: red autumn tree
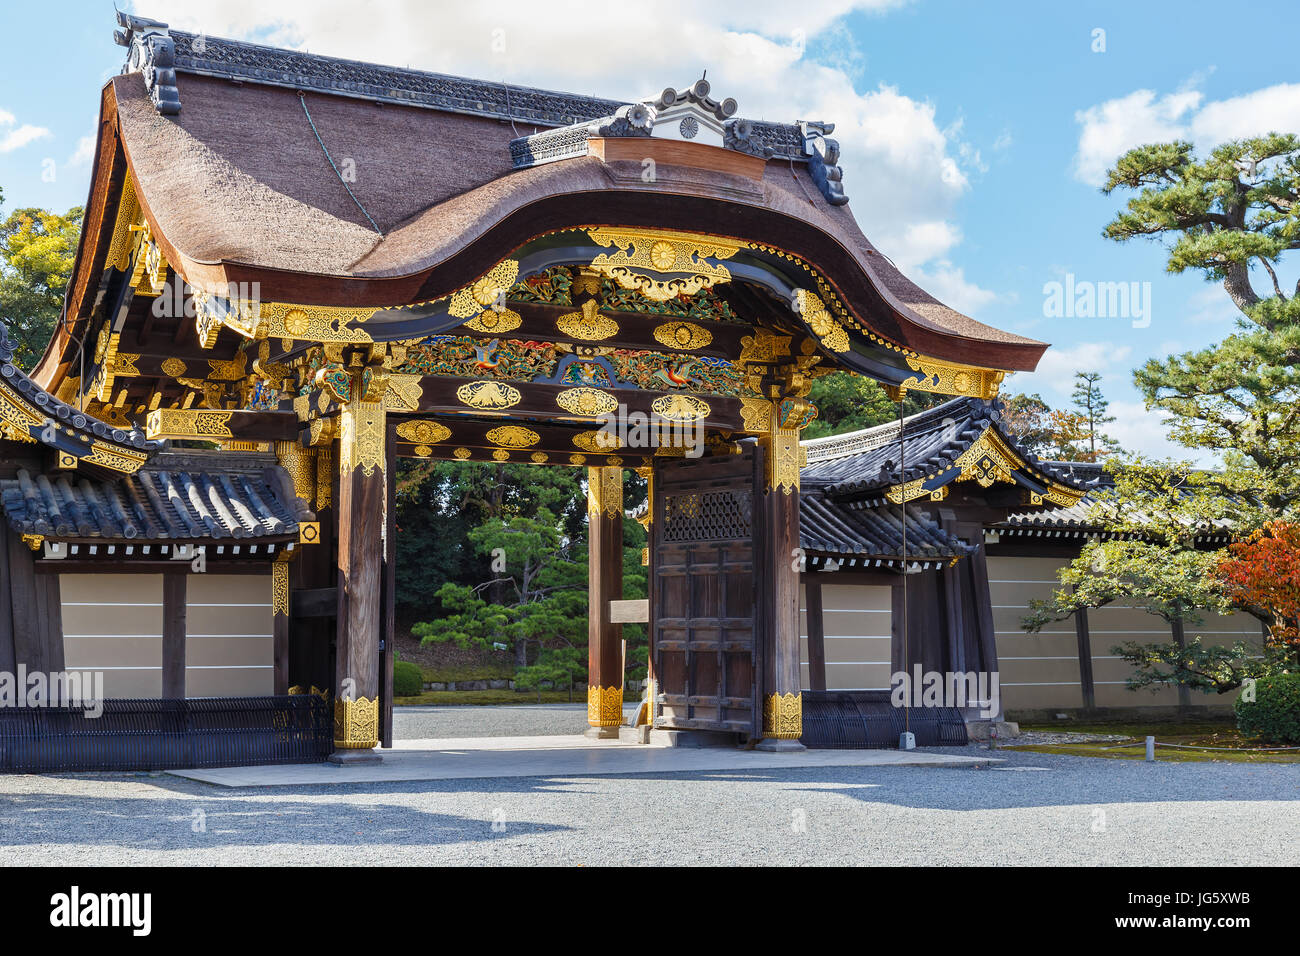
1262, 576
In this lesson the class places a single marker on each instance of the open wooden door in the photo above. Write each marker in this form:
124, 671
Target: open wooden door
703, 615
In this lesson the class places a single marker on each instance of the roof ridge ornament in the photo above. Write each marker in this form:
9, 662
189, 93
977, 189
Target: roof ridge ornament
823, 160
151, 53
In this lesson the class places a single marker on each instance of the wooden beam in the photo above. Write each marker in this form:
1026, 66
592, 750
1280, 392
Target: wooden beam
217, 425
173, 635
635, 331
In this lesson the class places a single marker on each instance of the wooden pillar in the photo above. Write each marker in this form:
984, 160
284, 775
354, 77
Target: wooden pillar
361, 526
605, 584
390, 593
778, 591
173, 635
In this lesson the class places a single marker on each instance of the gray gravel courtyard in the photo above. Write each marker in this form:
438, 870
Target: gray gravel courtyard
1031, 809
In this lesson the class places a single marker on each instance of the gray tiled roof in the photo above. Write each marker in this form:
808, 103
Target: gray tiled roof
185, 496
835, 528
866, 462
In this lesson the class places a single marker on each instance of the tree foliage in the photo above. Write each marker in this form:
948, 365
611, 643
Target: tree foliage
1262, 573
848, 402
1226, 216
37, 249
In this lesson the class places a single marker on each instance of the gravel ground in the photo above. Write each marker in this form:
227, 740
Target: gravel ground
510, 720
1032, 808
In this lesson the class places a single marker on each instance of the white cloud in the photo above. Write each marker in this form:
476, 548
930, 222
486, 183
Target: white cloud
901, 166
1112, 128
84, 153
1054, 377
12, 139
1274, 109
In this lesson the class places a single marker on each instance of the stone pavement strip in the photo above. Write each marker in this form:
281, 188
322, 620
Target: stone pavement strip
558, 756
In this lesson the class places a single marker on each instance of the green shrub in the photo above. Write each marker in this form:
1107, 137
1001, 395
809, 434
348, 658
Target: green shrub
407, 679
1274, 714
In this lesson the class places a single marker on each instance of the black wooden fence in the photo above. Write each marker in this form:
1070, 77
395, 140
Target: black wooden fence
868, 720
167, 734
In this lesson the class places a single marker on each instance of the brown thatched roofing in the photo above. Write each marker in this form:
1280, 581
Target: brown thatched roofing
237, 188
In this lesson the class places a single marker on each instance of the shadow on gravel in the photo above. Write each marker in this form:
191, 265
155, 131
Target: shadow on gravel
212, 818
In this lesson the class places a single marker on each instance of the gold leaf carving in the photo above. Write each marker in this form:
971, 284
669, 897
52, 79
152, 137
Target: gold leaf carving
513, 436
495, 321
683, 335
488, 395
424, 433
588, 324
586, 401
680, 408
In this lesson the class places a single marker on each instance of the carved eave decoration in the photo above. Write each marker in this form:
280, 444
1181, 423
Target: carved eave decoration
988, 460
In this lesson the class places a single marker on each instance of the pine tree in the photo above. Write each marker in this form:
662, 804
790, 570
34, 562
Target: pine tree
1091, 406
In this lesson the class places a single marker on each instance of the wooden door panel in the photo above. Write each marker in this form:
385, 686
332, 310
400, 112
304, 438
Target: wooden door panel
703, 614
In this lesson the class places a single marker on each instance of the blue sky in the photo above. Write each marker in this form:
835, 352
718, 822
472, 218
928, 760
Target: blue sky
973, 134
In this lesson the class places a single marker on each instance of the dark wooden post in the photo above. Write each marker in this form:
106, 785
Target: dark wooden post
812, 589
390, 593
779, 587
1086, 684
173, 636
605, 584
362, 491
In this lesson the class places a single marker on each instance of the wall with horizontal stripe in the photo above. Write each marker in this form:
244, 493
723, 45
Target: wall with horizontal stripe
113, 623
228, 635
858, 622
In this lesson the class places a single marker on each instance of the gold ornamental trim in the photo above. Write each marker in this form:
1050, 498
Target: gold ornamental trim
128, 214
680, 408
174, 367
756, 415
988, 460
683, 335
513, 436
300, 463
605, 492
588, 402
423, 433
662, 264
783, 716
356, 723
823, 325
317, 323
361, 438
952, 378
605, 706
462, 453
495, 321
491, 288
403, 393
588, 325
489, 395
187, 423
597, 442
539, 457
280, 588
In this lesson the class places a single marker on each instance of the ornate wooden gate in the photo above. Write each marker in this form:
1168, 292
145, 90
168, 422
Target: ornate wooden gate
704, 613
